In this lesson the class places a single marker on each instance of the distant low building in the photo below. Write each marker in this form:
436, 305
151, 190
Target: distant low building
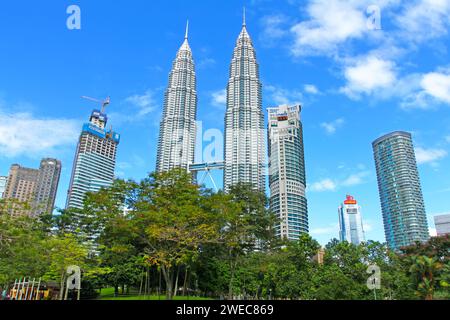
442, 223
350, 222
319, 256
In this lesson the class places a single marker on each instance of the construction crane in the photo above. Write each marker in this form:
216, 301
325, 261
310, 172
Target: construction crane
104, 103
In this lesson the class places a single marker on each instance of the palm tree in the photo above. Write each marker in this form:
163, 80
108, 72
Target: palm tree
424, 271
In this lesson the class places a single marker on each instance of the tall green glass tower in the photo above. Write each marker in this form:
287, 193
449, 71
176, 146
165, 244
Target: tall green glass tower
402, 204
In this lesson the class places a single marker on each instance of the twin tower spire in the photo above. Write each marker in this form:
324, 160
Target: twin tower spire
244, 145
186, 35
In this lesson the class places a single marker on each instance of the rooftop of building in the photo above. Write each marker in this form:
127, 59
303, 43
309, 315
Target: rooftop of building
391, 135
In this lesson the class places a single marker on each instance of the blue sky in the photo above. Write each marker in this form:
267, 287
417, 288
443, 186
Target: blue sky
355, 84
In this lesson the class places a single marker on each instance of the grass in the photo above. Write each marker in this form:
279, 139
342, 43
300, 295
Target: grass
108, 294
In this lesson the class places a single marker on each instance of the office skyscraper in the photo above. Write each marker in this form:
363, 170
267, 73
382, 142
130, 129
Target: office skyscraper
21, 184
442, 223
47, 185
37, 187
245, 153
3, 181
350, 222
287, 171
401, 197
95, 159
178, 129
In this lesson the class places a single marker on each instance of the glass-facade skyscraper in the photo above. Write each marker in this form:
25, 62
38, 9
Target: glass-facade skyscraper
245, 153
177, 133
350, 222
95, 160
400, 191
287, 179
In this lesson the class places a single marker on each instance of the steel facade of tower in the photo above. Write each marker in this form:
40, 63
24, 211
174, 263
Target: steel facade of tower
177, 134
350, 222
95, 160
245, 154
400, 191
287, 178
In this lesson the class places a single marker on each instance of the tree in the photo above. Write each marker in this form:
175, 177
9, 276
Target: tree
248, 225
424, 272
21, 243
64, 251
172, 222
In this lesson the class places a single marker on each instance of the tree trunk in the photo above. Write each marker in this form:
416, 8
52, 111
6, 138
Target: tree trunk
233, 264
140, 287
61, 287
185, 281
168, 277
176, 282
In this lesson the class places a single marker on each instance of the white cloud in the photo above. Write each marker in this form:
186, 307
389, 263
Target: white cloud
427, 91
437, 85
367, 75
329, 184
331, 127
355, 179
280, 96
219, 98
424, 19
273, 29
23, 134
429, 155
310, 88
323, 185
329, 24
145, 102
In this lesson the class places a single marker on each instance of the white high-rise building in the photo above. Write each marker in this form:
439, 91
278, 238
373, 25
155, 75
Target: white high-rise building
350, 222
287, 179
177, 133
245, 153
95, 159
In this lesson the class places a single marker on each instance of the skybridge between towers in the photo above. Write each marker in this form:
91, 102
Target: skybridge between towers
206, 168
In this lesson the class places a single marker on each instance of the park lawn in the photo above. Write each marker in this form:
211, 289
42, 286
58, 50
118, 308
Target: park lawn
108, 294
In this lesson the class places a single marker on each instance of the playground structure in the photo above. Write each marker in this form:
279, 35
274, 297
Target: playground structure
27, 289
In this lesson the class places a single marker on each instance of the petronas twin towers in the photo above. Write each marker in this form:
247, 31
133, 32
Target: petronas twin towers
177, 130
244, 119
